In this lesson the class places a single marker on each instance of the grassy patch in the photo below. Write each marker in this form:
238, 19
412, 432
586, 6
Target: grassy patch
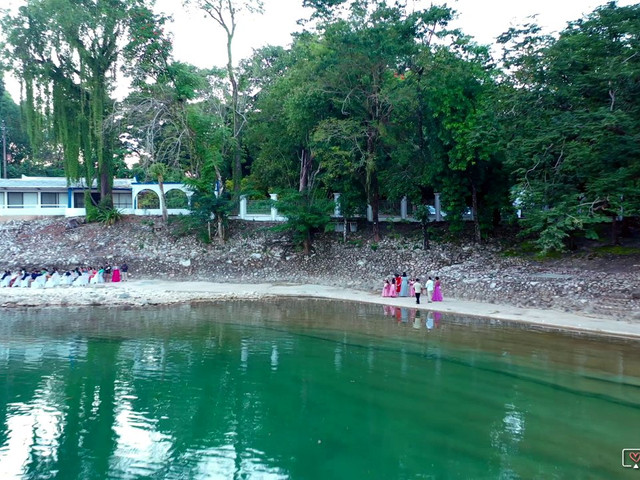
617, 250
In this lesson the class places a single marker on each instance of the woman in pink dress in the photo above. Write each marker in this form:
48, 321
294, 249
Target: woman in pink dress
393, 292
386, 288
412, 291
437, 292
115, 274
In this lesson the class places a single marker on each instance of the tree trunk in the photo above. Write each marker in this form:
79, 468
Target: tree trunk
425, 237
614, 231
237, 155
163, 199
375, 206
474, 211
105, 188
346, 224
306, 244
222, 232
306, 164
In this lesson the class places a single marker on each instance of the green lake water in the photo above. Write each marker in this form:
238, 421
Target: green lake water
309, 390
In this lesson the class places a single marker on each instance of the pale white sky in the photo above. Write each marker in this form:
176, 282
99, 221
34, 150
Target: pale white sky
198, 40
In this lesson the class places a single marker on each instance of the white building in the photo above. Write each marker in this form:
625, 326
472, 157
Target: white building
30, 197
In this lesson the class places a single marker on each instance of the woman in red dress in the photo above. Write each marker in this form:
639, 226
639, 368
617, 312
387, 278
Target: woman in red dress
115, 275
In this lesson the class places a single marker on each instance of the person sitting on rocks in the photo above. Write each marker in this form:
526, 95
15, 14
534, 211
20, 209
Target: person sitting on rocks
53, 280
6, 278
20, 278
15, 278
66, 278
98, 277
35, 274
82, 280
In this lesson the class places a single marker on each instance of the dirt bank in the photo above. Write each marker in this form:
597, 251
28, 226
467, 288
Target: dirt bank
589, 285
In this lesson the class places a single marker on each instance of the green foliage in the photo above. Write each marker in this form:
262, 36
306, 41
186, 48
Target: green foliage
618, 250
66, 53
186, 225
177, 199
18, 147
108, 216
378, 102
422, 214
103, 212
306, 214
148, 199
572, 114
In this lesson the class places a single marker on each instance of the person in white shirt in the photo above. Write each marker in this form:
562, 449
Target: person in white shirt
429, 286
418, 288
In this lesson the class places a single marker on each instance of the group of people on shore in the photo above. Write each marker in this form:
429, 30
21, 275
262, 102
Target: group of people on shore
77, 277
403, 286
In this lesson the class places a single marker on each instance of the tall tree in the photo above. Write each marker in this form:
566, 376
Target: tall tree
361, 53
288, 108
67, 54
17, 142
225, 13
574, 119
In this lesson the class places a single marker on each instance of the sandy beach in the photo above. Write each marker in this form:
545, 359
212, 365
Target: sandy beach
142, 292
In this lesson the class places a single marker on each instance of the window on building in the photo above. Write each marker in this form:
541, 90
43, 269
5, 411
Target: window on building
78, 200
122, 200
50, 200
30, 199
15, 200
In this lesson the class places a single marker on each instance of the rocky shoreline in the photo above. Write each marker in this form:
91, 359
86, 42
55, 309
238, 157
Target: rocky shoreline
597, 286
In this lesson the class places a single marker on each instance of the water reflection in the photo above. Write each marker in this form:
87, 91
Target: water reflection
33, 431
306, 390
413, 316
274, 357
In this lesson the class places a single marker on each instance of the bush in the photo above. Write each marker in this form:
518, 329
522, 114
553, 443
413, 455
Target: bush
306, 214
108, 216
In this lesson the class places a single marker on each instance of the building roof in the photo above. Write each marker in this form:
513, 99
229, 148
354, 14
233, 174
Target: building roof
56, 183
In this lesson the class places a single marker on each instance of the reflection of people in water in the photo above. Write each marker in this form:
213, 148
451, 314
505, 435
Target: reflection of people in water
404, 315
430, 321
417, 321
437, 317
386, 309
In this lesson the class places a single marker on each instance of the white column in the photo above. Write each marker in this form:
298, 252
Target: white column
437, 207
243, 206
336, 210
274, 209
161, 198
403, 208
369, 213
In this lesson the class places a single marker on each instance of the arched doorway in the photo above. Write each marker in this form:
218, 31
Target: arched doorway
147, 200
177, 199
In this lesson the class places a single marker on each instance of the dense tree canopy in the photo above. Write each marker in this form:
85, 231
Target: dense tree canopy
372, 100
67, 54
573, 123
